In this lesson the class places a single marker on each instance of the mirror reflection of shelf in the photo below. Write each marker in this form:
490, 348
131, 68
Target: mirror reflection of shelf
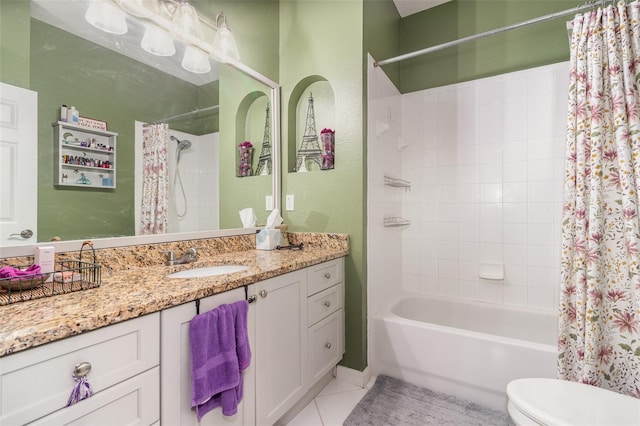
396, 222
397, 182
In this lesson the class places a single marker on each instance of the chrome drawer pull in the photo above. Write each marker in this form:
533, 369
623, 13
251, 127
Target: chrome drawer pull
81, 370
263, 293
327, 303
327, 275
327, 345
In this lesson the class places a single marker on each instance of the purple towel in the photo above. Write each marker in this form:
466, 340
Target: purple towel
11, 272
219, 353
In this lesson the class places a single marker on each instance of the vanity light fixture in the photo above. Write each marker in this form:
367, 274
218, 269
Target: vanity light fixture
224, 45
157, 41
165, 22
139, 8
104, 15
195, 60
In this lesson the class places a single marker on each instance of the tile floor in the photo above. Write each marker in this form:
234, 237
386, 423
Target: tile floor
332, 406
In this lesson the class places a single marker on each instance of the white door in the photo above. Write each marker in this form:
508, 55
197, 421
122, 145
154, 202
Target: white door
18, 165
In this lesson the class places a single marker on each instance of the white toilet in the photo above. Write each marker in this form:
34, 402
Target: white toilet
559, 402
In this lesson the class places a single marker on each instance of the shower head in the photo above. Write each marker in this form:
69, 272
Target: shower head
182, 144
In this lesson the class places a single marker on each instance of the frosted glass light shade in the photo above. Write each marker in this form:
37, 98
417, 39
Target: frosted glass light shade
157, 41
186, 18
224, 45
106, 16
139, 8
195, 60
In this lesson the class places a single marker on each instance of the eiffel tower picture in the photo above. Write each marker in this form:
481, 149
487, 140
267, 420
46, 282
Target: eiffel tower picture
310, 148
264, 162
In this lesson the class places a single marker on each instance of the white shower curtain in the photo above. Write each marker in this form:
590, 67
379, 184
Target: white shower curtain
155, 179
599, 340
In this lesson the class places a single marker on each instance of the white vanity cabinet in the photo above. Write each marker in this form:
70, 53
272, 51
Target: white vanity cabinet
90, 166
299, 335
175, 380
35, 384
280, 344
325, 318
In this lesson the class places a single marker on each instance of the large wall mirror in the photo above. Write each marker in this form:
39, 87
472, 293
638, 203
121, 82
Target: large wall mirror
111, 78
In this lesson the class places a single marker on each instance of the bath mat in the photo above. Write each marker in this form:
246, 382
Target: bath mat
393, 402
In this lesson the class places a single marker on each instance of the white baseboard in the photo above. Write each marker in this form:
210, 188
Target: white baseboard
355, 377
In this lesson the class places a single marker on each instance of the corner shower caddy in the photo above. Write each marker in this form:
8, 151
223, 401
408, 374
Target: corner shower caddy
90, 170
394, 221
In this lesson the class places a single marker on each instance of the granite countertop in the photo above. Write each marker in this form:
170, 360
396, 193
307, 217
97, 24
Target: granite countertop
126, 294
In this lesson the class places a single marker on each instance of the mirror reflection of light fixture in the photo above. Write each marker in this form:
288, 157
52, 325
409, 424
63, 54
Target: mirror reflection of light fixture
224, 44
157, 41
195, 60
104, 15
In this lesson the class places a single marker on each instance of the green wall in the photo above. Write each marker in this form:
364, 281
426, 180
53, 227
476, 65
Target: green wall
14, 42
322, 40
535, 45
381, 35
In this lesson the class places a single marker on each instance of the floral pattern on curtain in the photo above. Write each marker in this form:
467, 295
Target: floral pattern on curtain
155, 179
599, 341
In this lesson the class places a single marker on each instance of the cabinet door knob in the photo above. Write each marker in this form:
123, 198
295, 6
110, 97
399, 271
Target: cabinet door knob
327, 303
81, 370
327, 345
327, 275
263, 293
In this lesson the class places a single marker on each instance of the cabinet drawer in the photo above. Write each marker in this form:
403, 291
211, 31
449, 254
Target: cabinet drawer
324, 275
133, 402
324, 303
38, 381
325, 345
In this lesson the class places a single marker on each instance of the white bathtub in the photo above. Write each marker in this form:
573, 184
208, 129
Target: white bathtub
467, 349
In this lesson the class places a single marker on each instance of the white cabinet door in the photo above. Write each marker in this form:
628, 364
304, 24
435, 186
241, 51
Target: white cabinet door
133, 402
281, 344
175, 366
18, 165
37, 382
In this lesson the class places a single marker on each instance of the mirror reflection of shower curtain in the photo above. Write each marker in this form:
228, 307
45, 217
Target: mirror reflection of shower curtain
155, 179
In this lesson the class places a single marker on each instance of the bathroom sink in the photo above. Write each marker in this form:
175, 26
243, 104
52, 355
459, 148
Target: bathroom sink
208, 271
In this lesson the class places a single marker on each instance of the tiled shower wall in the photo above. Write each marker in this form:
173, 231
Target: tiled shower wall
384, 245
486, 162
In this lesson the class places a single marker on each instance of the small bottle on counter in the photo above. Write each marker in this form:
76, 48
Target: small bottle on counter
63, 113
72, 115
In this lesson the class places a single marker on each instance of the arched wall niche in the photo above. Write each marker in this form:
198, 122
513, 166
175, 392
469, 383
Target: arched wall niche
324, 106
250, 123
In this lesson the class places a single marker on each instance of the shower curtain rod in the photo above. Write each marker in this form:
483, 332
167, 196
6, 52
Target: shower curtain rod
452, 43
195, 111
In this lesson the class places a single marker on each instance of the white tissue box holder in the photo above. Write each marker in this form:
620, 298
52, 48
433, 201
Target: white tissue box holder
268, 239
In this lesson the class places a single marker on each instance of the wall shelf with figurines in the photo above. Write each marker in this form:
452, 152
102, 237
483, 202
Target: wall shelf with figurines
84, 157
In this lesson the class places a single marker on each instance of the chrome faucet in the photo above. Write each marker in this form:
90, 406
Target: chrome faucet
189, 256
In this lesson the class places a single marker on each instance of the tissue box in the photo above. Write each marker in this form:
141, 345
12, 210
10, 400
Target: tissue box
268, 239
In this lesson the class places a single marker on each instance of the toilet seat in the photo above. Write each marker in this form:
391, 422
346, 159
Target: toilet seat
559, 402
